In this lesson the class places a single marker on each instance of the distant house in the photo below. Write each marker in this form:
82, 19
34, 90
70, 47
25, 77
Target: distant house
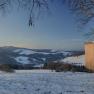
89, 55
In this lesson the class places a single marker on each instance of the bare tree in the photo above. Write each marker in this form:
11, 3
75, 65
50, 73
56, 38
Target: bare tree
83, 8
33, 6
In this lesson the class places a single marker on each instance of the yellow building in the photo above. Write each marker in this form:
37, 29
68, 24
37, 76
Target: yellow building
89, 55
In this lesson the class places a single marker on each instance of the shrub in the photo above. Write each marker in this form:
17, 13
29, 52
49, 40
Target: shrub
51, 65
64, 67
6, 68
59, 67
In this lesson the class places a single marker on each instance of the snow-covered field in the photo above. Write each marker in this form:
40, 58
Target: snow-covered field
76, 60
46, 82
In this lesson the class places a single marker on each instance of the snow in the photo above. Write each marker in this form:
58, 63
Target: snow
17, 50
44, 59
54, 50
35, 60
66, 53
39, 65
77, 60
29, 52
45, 53
46, 82
25, 51
22, 59
35, 71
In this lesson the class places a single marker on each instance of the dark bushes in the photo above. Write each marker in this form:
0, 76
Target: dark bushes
59, 67
6, 68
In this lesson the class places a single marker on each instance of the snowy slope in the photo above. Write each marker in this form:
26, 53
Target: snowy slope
34, 57
38, 57
41, 56
46, 82
22, 59
76, 60
24, 51
30, 51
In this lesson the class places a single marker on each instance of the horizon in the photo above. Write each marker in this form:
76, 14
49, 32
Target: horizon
39, 48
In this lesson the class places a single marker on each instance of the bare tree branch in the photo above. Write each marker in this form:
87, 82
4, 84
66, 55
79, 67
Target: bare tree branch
32, 6
83, 8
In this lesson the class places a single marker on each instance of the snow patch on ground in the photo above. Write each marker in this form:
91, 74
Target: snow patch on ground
35, 71
76, 60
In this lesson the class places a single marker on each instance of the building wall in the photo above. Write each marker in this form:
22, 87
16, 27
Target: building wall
89, 55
